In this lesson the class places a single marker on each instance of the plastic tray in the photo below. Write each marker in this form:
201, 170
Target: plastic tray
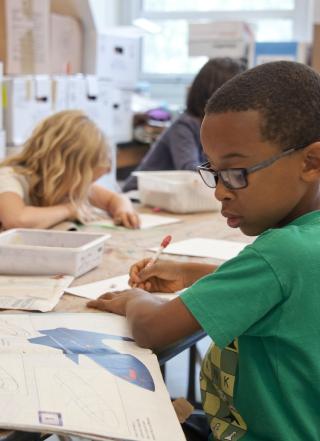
24, 251
178, 191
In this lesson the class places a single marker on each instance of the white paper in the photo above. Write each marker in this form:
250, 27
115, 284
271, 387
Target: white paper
146, 221
200, 247
32, 293
82, 374
94, 290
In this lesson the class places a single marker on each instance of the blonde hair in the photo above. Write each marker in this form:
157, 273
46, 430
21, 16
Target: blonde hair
59, 158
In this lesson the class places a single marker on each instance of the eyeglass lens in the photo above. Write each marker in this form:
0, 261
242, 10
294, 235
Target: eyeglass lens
232, 178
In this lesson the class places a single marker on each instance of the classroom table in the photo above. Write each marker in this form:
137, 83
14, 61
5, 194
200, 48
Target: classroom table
127, 246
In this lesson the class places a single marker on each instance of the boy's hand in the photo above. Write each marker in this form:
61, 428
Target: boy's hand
127, 218
162, 276
116, 301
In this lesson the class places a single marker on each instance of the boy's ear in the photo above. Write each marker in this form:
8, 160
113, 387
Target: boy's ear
311, 163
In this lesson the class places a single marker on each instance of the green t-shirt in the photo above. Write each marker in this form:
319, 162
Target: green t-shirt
269, 297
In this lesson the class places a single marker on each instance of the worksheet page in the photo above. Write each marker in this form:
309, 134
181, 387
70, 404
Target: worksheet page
201, 247
119, 283
82, 374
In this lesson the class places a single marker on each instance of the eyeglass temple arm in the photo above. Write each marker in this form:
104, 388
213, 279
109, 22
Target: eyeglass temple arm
272, 160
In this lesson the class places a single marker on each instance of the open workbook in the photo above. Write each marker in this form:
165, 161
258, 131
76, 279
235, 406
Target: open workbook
82, 374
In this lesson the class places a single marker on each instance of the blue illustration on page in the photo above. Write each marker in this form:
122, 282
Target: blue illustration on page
74, 342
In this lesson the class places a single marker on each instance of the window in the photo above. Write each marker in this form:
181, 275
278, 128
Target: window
217, 5
166, 53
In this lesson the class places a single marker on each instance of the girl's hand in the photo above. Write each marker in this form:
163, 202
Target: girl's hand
162, 276
73, 211
127, 218
115, 204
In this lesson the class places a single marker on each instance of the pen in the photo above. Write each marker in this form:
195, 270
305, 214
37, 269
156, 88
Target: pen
165, 242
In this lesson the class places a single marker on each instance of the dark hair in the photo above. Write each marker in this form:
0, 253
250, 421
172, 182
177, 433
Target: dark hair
210, 77
287, 95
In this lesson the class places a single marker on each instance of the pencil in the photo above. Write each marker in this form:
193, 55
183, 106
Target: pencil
165, 242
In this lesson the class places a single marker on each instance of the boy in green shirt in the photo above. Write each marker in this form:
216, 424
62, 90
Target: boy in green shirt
261, 134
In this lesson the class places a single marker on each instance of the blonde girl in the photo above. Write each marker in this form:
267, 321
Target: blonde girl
52, 179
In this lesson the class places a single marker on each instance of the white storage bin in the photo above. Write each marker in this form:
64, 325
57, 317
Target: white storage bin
178, 191
24, 251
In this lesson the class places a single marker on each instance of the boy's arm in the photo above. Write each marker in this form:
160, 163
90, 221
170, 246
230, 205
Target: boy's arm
154, 323
117, 205
14, 213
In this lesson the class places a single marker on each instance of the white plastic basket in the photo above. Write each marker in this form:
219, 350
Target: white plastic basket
178, 191
25, 251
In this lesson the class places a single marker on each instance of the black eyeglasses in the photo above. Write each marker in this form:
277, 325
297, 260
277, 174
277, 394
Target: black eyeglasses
236, 178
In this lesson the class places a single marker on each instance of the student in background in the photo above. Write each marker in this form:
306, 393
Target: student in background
52, 179
261, 134
179, 147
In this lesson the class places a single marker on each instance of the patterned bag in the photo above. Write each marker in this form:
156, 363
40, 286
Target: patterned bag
217, 379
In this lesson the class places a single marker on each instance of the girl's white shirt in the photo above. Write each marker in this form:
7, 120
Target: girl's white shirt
10, 181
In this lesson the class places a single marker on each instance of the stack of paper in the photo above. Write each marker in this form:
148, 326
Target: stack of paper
200, 247
94, 290
82, 374
39, 293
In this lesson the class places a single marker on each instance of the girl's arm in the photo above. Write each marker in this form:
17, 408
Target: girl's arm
117, 205
14, 213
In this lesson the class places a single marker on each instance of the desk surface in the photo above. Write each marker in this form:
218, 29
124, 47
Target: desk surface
127, 246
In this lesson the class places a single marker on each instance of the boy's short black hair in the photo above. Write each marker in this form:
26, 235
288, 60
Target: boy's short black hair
287, 95
211, 76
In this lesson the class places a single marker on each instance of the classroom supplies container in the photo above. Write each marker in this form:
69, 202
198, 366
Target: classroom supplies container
24, 251
178, 191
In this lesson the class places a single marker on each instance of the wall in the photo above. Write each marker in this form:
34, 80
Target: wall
316, 11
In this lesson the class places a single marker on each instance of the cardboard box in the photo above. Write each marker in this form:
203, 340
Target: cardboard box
18, 96
122, 115
66, 44
93, 106
99, 101
106, 98
42, 106
27, 100
2, 144
221, 39
59, 84
114, 55
76, 92
24, 36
